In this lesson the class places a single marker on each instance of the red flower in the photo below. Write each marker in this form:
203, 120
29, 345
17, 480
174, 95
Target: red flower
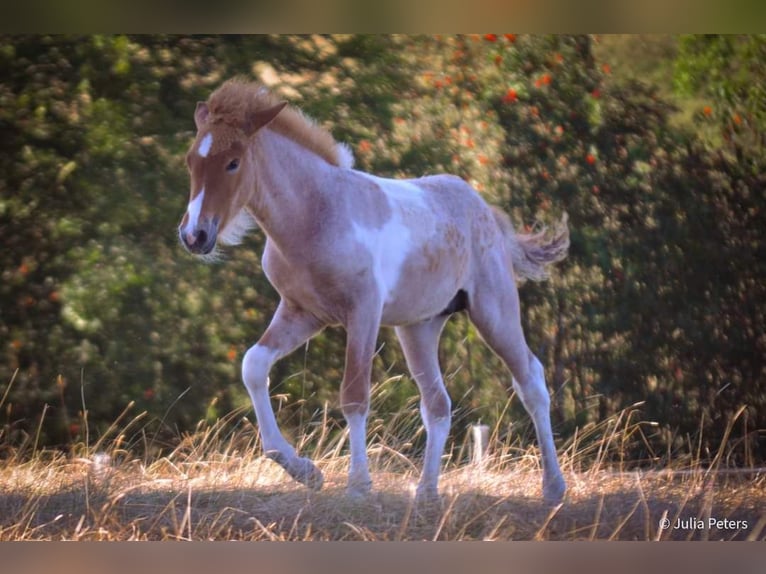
590, 158
510, 37
148, 394
596, 93
510, 96
490, 37
498, 60
707, 110
607, 68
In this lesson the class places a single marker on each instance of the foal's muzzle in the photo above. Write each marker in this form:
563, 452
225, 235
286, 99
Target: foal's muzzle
201, 239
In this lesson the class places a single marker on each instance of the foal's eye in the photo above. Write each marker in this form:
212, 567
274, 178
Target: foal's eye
233, 166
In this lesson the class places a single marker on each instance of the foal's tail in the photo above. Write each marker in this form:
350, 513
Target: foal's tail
532, 253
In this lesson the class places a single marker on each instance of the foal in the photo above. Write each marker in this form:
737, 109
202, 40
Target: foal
348, 248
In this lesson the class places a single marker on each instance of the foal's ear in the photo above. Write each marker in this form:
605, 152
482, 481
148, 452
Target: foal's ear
256, 120
201, 114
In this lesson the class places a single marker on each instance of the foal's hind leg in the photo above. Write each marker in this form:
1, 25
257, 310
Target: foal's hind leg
420, 343
361, 334
288, 329
495, 312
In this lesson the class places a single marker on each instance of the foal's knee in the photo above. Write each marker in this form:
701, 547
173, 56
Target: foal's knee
256, 364
436, 407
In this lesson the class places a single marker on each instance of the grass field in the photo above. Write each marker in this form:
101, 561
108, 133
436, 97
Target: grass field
216, 485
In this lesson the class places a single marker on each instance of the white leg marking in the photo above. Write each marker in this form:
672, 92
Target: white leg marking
537, 402
205, 145
255, 370
359, 482
437, 430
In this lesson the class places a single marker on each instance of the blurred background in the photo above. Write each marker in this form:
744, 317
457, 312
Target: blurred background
654, 146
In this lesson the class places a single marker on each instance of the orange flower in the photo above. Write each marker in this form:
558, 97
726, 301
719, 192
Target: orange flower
232, 353
737, 119
483, 159
510, 37
590, 158
364, 146
543, 80
707, 110
490, 37
16, 344
510, 96
607, 69
54, 297
558, 58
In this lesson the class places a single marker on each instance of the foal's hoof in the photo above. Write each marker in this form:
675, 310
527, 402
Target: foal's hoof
300, 469
427, 496
554, 489
359, 489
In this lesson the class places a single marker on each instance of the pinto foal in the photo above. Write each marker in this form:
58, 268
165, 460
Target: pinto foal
347, 248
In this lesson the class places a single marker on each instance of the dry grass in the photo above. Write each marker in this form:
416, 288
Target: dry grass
215, 485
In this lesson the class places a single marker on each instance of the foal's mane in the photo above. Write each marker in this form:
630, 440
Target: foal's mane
237, 98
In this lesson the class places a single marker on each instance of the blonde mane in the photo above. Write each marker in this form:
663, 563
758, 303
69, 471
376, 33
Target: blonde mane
238, 98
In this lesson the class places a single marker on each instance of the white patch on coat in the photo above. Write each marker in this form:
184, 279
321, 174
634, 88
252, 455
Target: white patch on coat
391, 244
205, 145
400, 193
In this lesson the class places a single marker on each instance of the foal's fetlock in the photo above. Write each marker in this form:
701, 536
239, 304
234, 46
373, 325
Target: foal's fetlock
554, 489
300, 469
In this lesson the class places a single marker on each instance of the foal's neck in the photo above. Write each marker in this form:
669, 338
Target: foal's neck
291, 184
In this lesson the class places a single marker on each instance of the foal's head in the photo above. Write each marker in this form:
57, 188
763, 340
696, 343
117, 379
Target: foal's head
222, 173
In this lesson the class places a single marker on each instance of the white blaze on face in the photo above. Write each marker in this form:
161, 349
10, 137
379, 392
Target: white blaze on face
205, 145
193, 211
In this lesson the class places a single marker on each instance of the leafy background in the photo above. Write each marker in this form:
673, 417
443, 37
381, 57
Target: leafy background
654, 146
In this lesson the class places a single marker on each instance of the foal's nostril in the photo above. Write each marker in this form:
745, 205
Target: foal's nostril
201, 237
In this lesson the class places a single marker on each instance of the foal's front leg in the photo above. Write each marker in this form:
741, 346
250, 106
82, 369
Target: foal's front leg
361, 335
289, 328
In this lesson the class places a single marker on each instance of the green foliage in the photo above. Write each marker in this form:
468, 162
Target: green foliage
658, 302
